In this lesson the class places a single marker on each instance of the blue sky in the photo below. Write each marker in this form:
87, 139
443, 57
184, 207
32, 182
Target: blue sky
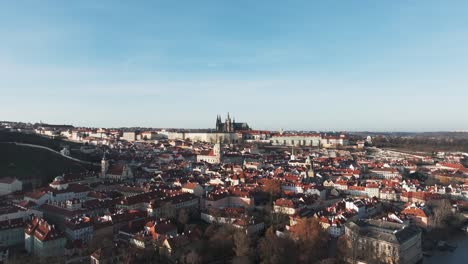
312, 65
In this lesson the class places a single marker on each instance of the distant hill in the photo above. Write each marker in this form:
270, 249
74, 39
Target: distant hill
35, 166
441, 134
422, 143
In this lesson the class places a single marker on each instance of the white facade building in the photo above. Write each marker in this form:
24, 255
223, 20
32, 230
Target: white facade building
9, 185
129, 136
296, 140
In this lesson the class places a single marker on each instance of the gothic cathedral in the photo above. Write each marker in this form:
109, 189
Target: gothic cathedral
230, 126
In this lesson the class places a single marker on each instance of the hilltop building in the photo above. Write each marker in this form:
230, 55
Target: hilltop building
230, 126
227, 132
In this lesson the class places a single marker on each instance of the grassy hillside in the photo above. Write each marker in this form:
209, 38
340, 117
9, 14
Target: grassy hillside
36, 166
55, 144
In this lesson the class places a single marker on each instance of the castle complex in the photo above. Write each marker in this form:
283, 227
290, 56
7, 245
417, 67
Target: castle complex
229, 125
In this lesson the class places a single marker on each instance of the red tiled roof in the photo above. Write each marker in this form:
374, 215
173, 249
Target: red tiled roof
385, 169
414, 211
356, 188
43, 230
35, 195
116, 169
452, 165
190, 185
372, 185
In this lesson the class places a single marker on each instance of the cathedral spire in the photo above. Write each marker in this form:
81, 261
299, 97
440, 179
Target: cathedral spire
227, 124
218, 123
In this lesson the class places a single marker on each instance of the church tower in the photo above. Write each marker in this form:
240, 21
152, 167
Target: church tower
218, 123
292, 157
310, 167
104, 165
217, 149
228, 125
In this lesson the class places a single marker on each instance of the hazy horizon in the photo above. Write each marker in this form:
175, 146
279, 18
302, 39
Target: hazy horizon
298, 65
254, 128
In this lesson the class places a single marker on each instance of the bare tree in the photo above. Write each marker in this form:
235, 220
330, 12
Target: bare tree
311, 239
276, 250
193, 258
183, 217
442, 211
241, 244
348, 247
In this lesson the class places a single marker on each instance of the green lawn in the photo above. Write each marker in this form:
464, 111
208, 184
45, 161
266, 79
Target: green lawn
34, 165
52, 143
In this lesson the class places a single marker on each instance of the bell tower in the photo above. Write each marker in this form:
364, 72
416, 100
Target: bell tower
293, 156
217, 149
310, 167
104, 165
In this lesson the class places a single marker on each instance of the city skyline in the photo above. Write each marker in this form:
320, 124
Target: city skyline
247, 131
354, 66
285, 129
